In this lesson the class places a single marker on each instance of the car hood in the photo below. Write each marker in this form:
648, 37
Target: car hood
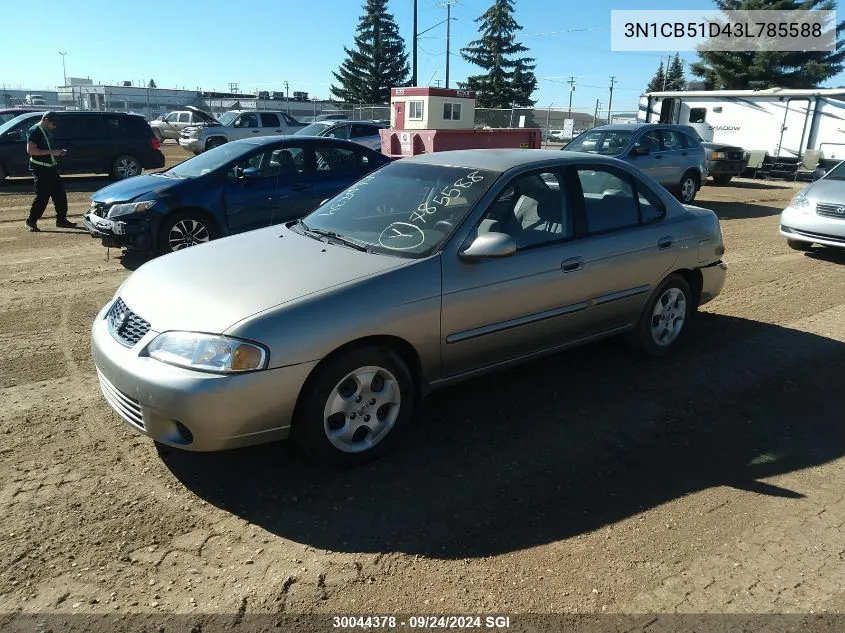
209, 288
202, 113
830, 191
133, 188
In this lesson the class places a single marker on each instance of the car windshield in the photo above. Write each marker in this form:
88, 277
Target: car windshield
837, 173
208, 161
314, 129
605, 142
403, 209
227, 117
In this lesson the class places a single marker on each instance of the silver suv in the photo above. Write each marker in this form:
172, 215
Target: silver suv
172, 124
235, 125
671, 154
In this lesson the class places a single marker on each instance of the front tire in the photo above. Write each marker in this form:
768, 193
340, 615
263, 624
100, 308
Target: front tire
355, 407
184, 229
664, 318
125, 167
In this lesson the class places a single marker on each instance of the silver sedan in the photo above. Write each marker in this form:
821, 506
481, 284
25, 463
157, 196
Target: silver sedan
435, 268
816, 215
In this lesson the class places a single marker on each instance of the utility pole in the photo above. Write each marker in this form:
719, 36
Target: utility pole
596, 113
610, 101
571, 83
287, 95
414, 48
64, 72
448, 6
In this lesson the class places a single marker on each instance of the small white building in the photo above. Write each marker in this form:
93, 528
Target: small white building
416, 108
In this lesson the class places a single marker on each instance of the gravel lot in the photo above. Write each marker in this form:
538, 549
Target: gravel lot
594, 481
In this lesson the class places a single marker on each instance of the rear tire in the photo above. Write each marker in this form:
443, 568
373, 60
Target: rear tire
126, 166
687, 188
798, 245
184, 229
723, 179
372, 394
664, 318
214, 142
2, 174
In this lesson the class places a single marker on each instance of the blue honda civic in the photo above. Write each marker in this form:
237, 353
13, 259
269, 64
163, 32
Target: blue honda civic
236, 187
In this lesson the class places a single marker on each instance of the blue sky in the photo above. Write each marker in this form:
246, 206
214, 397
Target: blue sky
209, 43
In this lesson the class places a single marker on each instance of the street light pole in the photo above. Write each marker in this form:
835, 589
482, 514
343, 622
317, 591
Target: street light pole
64, 72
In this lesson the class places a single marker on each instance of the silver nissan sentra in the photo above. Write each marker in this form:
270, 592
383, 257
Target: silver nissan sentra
435, 268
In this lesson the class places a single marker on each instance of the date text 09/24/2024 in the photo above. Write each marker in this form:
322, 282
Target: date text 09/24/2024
353, 622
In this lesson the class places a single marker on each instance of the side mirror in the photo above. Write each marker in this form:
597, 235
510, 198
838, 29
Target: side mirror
639, 150
250, 172
489, 246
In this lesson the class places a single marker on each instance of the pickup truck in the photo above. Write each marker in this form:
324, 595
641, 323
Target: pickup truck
172, 124
237, 124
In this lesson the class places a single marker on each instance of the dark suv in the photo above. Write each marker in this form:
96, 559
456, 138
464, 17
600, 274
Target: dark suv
113, 143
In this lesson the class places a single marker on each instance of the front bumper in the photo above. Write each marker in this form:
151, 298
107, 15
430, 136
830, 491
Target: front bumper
806, 225
193, 410
195, 145
135, 234
713, 280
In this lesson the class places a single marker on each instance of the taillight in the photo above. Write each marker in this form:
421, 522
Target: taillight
156, 143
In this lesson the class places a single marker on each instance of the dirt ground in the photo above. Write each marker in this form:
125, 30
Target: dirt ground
594, 481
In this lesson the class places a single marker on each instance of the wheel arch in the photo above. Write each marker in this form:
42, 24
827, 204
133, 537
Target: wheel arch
396, 344
201, 211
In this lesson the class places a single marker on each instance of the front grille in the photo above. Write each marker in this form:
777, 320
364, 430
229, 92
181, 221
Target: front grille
736, 155
126, 326
831, 210
127, 408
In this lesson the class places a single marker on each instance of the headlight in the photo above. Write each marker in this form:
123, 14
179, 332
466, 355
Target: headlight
800, 201
207, 352
718, 156
130, 208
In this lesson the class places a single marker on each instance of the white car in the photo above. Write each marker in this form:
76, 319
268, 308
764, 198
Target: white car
237, 124
364, 133
816, 215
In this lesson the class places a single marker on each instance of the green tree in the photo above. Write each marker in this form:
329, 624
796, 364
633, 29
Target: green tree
152, 83
754, 70
378, 61
675, 79
508, 79
657, 82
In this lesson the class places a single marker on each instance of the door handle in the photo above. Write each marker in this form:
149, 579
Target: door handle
664, 243
256, 131
572, 264
301, 187
684, 153
658, 156
278, 130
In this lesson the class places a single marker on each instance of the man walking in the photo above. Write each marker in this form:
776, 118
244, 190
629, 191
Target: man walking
45, 172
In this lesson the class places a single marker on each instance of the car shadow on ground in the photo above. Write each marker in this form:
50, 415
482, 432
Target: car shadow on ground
738, 210
827, 254
555, 448
755, 184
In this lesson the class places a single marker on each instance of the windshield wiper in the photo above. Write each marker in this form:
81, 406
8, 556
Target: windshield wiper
348, 241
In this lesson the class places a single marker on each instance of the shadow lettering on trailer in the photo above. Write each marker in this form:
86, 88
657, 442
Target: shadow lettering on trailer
557, 447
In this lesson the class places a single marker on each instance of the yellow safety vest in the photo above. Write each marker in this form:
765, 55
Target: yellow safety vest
49, 147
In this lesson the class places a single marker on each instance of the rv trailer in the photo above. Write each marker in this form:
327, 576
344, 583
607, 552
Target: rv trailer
783, 122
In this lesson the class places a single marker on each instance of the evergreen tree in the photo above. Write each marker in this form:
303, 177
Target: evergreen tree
508, 80
658, 81
152, 83
675, 79
754, 70
377, 63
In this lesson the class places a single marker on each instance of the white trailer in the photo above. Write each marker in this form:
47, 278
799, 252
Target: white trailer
783, 122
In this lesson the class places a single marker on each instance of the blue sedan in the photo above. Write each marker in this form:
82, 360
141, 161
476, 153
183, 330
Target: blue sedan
237, 187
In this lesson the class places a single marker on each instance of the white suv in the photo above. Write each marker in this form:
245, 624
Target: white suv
237, 124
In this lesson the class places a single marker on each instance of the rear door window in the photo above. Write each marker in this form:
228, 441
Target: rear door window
77, 127
269, 119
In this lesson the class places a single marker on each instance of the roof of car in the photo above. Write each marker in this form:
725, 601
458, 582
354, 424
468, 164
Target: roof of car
637, 126
502, 159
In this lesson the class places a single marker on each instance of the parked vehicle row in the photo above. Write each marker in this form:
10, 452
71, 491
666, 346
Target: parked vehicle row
424, 272
114, 143
234, 125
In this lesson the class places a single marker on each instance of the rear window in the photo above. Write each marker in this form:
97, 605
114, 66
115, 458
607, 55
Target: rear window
126, 126
78, 126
